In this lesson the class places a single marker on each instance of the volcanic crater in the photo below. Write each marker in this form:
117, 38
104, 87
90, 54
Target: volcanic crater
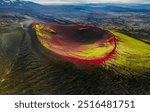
77, 43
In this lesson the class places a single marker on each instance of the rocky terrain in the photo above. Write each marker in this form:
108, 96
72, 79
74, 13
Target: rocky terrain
26, 67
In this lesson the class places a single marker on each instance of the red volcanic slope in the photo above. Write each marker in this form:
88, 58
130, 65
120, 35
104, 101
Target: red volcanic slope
65, 38
97, 60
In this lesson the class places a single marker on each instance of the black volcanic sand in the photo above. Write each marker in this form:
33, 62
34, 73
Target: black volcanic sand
91, 35
27, 68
